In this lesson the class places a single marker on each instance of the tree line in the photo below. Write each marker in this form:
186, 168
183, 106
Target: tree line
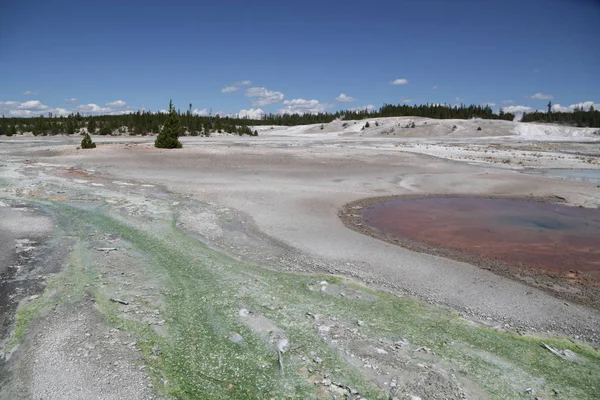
136, 123
437, 111
578, 117
147, 122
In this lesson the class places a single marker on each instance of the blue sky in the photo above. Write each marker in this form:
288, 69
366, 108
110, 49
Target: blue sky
113, 56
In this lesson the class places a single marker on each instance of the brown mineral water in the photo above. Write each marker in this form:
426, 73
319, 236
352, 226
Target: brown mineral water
550, 237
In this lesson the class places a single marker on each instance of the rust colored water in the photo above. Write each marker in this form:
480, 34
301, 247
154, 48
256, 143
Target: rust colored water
553, 238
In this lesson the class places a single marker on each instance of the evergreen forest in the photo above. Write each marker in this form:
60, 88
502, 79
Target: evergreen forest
147, 122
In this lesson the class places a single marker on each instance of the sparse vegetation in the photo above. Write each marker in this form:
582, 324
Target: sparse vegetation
147, 122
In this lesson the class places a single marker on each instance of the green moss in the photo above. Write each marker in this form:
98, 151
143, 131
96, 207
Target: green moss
205, 289
69, 286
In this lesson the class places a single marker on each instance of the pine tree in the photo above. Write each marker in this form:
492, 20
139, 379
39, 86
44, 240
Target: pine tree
91, 126
70, 126
168, 138
86, 142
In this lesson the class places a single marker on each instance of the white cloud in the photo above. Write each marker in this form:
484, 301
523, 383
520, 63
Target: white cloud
121, 112
301, 106
345, 99
559, 108
24, 113
32, 105
585, 105
489, 103
95, 109
459, 99
29, 93
507, 101
61, 111
368, 107
236, 86
517, 109
399, 81
204, 112
435, 87
92, 108
251, 113
537, 71
541, 96
264, 96
117, 104
71, 100
32, 108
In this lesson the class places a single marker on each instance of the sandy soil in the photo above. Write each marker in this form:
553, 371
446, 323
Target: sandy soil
274, 200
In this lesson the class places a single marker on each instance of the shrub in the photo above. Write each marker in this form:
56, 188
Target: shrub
86, 142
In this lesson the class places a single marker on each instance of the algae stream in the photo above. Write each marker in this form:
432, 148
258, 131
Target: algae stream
206, 289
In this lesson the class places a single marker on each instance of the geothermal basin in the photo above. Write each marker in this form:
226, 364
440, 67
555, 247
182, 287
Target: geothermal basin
557, 240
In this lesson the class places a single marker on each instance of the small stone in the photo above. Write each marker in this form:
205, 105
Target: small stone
235, 337
243, 312
324, 328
